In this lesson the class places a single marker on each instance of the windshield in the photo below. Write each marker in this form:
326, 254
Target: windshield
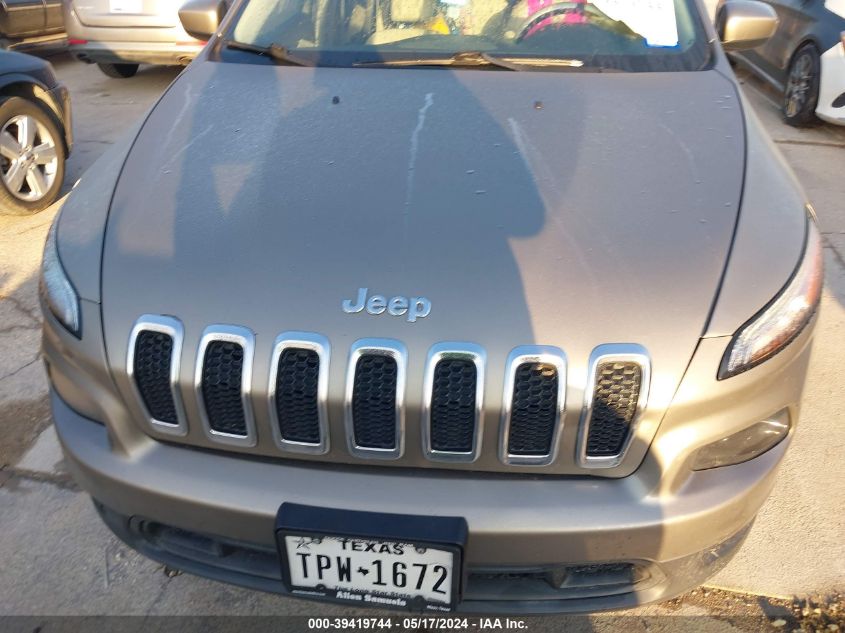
626, 35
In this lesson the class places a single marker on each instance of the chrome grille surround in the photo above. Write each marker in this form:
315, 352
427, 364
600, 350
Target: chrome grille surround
532, 354
398, 352
445, 351
612, 352
628, 353
246, 339
173, 328
320, 345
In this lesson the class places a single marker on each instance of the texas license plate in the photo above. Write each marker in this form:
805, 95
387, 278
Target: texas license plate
371, 559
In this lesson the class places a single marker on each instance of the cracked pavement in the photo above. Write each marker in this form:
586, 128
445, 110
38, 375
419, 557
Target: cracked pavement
56, 557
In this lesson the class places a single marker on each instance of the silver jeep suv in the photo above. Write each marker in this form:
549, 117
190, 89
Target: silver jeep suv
469, 305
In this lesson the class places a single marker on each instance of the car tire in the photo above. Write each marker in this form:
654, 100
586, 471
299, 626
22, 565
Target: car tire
801, 94
119, 71
32, 157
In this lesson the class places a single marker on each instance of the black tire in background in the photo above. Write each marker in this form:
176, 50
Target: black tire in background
119, 71
801, 94
10, 204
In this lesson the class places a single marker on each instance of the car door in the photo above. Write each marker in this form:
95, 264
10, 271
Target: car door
21, 18
53, 18
795, 19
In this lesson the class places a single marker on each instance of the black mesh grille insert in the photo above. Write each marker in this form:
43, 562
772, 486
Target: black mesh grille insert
453, 406
296, 395
534, 410
151, 366
222, 371
374, 402
615, 399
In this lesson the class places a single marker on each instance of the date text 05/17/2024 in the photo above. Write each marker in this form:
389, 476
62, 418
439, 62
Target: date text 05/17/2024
411, 623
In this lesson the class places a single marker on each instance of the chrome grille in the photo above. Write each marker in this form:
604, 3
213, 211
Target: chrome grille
452, 404
375, 391
534, 402
155, 348
298, 392
616, 395
223, 382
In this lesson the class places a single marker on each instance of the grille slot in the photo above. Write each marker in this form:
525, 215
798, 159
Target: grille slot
616, 396
614, 407
152, 366
374, 402
453, 406
534, 412
374, 399
298, 392
222, 375
296, 396
453, 402
534, 400
223, 384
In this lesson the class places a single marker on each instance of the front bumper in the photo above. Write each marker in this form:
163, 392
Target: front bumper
517, 524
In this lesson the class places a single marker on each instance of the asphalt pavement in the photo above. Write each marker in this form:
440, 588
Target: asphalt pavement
57, 558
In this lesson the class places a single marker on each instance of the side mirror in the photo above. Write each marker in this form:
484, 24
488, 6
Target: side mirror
744, 24
201, 18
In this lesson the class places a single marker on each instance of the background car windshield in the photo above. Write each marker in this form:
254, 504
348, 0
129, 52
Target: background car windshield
631, 35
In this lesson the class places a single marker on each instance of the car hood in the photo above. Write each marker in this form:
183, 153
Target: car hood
566, 209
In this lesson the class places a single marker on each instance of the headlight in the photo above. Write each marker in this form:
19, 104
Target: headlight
784, 318
56, 289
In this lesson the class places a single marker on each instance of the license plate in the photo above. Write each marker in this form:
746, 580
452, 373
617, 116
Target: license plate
126, 6
371, 559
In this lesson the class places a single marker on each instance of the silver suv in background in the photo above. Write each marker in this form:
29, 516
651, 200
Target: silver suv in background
118, 35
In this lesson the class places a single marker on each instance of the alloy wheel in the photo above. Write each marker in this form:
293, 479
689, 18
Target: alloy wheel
798, 85
29, 159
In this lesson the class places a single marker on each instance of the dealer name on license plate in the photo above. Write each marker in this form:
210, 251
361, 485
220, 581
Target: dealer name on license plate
386, 573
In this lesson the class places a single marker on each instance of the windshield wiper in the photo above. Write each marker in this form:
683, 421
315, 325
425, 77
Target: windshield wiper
275, 52
463, 58
477, 58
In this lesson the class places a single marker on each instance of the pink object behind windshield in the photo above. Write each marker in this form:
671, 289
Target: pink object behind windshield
535, 6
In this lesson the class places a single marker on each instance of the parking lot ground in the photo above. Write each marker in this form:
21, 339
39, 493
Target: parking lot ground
57, 558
